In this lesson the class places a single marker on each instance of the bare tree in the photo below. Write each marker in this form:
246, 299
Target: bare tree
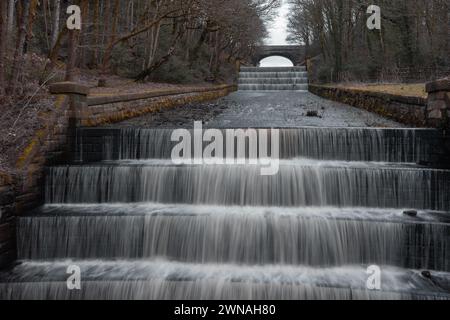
56, 18
413, 37
19, 51
11, 7
3, 41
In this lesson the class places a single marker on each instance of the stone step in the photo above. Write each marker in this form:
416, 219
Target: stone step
345, 144
287, 81
298, 182
265, 75
241, 235
161, 279
273, 87
272, 69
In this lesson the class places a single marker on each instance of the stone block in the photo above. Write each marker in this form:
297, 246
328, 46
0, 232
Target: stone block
6, 246
439, 85
7, 258
435, 114
438, 95
6, 212
436, 105
6, 197
6, 232
69, 88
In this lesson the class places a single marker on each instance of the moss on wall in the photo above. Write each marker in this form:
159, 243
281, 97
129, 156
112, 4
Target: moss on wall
406, 110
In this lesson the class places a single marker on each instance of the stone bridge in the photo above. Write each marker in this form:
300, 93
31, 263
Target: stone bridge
294, 53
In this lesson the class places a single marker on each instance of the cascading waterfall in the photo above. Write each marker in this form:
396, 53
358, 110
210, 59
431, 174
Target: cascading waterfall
242, 235
355, 144
261, 79
298, 183
158, 279
141, 227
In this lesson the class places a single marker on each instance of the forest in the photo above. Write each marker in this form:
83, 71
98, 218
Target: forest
144, 44
180, 41
412, 45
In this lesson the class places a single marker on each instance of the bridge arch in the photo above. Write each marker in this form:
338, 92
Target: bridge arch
294, 53
275, 61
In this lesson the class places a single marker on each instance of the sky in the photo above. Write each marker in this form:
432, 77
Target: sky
278, 34
278, 29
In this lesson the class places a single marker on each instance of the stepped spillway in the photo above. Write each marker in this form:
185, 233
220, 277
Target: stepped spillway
298, 183
140, 227
275, 79
340, 144
159, 279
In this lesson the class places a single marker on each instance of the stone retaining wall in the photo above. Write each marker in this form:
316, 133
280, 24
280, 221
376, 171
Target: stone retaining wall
91, 110
438, 106
54, 141
102, 110
407, 110
7, 221
23, 191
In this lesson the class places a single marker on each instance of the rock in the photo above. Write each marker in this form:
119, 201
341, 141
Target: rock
426, 274
312, 113
410, 213
101, 83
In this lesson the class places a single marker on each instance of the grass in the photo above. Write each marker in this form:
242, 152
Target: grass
410, 90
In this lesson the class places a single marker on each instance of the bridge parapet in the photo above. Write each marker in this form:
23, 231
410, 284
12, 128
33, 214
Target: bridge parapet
294, 53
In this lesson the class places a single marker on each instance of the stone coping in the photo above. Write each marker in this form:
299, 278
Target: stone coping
419, 101
93, 100
438, 85
106, 99
69, 88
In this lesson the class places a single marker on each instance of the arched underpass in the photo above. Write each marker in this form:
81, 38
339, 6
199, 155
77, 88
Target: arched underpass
296, 54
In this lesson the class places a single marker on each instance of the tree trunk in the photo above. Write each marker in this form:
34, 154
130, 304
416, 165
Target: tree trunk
110, 47
18, 55
56, 14
3, 37
200, 42
83, 34
447, 33
96, 23
11, 7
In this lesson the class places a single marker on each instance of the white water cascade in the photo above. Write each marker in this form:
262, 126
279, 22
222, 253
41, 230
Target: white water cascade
273, 78
140, 227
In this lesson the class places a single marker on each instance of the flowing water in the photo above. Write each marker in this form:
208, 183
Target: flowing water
140, 227
261, 79
346, 144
